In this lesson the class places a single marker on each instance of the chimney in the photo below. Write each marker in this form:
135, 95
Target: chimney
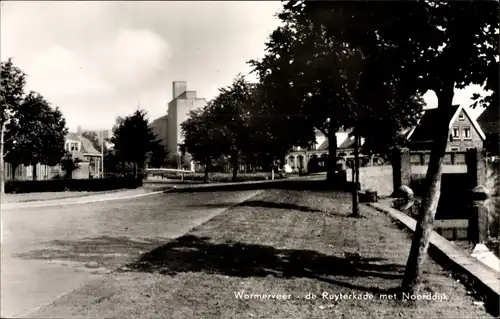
178, 87
79, 130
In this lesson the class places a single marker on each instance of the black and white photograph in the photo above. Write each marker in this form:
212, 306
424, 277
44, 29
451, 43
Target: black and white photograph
250, 159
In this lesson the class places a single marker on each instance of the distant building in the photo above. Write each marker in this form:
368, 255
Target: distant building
182, 102
168, 127
90, 160
464, 133
314, 157
160, 128
79, 147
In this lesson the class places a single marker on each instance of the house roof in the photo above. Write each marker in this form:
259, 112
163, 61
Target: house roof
323, 146
425, 130
87, 147
489, 120
348, 143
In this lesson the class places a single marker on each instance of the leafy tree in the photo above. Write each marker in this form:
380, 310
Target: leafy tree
157, 157
112, 164
133, 139
426, 45
12, 82
231, 112
304, 76
69, 165
36, 133
332, 83
204, 138
270, 137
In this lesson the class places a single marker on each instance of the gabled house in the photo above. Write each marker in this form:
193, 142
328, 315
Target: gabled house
314, 157
464, 131
81, 149
489, 121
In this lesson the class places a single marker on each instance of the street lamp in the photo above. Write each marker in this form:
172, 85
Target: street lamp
102, 154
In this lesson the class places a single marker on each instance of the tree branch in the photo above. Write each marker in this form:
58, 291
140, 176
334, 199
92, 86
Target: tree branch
12, 137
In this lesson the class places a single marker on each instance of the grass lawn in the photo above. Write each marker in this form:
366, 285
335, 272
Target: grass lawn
280, 242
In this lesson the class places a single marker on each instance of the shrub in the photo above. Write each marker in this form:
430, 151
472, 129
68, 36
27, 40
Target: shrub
224, 177
61, 185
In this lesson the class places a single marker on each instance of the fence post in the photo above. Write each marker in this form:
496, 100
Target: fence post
453, 158
401, 168
477, 231
476, 167
478, 212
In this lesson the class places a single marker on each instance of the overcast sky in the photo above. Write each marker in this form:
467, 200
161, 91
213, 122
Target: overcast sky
96, 60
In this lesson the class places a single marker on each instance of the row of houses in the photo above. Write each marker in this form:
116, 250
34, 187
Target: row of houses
89, 166
464, 133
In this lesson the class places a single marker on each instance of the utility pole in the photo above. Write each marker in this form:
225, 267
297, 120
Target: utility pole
2, 163
355, 193
102, 153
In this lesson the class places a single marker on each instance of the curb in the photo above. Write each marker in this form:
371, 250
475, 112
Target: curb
220, 186
68, 197
56, 202
484, 279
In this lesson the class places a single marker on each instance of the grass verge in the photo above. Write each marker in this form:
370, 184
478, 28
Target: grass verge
294, 244
224, 177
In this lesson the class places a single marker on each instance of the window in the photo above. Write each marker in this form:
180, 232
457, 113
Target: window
456, 132
466, 132
72, 146
461, 116
454, 149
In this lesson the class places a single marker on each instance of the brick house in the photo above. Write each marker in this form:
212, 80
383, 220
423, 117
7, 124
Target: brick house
464, 133
82, 149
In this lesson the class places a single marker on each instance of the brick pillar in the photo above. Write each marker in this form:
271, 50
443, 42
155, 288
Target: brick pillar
401, 168
478, 212
477, 231
476, 167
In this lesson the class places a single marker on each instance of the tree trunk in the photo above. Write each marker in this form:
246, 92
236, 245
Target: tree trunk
2, 163
355, 191
35, 177
135, 169
331, 164
205, 178
14, 169
423, 231
235, 166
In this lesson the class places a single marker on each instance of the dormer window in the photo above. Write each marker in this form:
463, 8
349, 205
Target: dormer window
72, 146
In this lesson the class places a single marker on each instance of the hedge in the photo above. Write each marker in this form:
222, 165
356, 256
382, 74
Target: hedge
223, 177
81, 185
